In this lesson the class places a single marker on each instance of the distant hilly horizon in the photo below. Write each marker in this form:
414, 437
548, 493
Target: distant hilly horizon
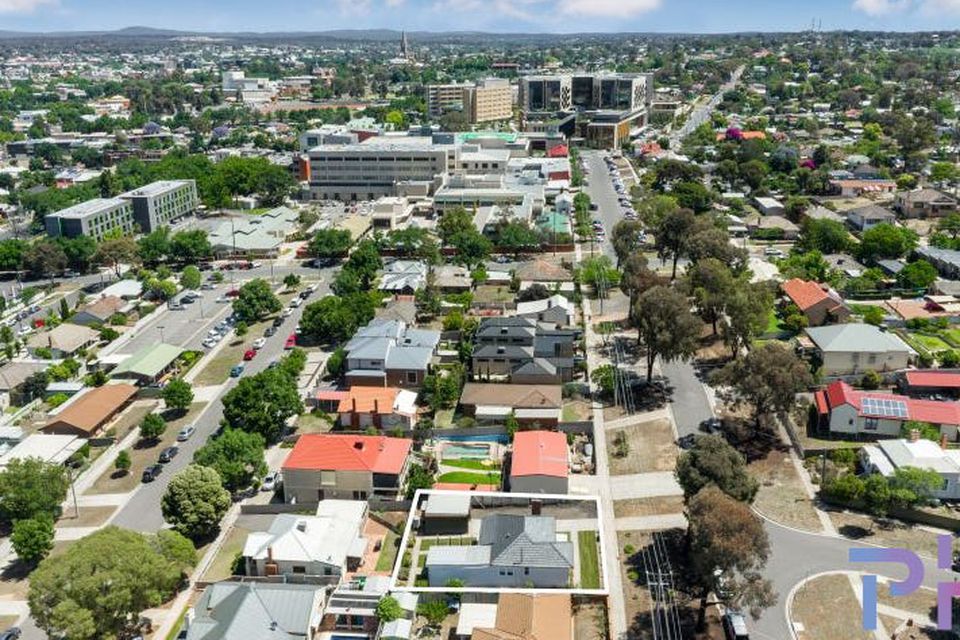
363, 34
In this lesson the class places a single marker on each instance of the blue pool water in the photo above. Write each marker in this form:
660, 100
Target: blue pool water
476, 451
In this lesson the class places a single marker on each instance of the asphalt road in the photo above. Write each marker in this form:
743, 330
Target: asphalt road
703, 112
142, 512
601, 192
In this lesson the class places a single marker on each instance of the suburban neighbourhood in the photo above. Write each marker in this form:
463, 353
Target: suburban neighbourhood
376, 334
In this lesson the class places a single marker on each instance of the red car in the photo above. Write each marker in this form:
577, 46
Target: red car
233, 293
249, 354
291, 341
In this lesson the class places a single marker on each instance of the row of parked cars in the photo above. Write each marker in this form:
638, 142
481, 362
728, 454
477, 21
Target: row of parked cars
169, 453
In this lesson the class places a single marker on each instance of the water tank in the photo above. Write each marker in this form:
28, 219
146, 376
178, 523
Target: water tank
588, 450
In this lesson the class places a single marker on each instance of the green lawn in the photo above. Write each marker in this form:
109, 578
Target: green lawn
930, 343
952, 336
466, 477
773, 323
589, 560
470, 464
388, 552
446, 541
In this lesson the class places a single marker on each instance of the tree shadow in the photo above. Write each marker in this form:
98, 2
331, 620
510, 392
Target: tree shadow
854, 532
16, 571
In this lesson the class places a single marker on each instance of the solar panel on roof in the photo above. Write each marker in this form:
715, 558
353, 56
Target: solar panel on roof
885, 407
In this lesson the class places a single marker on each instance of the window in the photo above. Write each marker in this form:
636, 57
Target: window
299, 569
526, 571
870, 424
327, 571
412, 377
328, 478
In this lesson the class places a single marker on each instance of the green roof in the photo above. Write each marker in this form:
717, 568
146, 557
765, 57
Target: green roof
149, 361
467, 136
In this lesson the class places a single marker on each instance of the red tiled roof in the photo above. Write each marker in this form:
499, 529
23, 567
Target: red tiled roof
941, 379
820, 398
804, 293
539, 453
932, 411
329, 396
339, 452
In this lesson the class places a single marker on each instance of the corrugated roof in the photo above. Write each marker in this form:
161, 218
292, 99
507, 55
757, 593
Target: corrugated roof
150, 360
935, 379
539, 453
856, 337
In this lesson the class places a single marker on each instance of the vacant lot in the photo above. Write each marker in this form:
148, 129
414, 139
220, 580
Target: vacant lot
827, 608
131, 418
641, 448
89, 517
143, 454
641, 507
782, 496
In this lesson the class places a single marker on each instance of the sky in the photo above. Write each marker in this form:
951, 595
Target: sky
702, 16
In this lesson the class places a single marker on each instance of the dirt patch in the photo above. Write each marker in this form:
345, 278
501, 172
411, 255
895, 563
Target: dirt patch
922, 602
589, 621
131, 418
142, 454
642, 448
89, 517
577, 411
782, 496
641, 507
712, 349
885, 533
825, 606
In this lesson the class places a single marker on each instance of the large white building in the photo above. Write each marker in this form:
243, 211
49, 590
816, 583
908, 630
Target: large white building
139, 211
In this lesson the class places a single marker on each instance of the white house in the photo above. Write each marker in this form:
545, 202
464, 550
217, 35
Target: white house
853, 348
328, 544
556, 309
886, 456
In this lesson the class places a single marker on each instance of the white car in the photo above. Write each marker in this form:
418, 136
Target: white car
296, 302
270, 481
259, 343
287, 312
210, 343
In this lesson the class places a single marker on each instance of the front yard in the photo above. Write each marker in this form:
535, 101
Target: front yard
827, 608
589, 560
781, 496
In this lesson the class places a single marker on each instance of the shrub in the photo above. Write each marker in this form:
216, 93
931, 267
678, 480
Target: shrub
871, 380
57, 399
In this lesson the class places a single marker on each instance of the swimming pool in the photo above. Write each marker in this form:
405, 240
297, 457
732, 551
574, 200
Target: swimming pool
472, 451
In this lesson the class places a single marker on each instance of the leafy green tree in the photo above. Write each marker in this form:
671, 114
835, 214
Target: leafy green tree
604, 377
31, 489
418, 478
154, 246
79, 251
693, 195
917, 275
32, 538
11, 254
726, 541
912, 486
330, 243
877, 495
190, 245
625, 239
435, 611
335, 319
825, 236
711, 284
365, 261
442, 390
665, 326
291, 281
453, 222
44, 259
67, 597
116, 251
262, 404
516, 236
122, 462
255, 301
472, 247
713, 462
152, 427
768, 379
238, 456
195, 501
178, 394
746, 311
672, 235
886, 241
388, 609
175, 547
190, 278
874, 315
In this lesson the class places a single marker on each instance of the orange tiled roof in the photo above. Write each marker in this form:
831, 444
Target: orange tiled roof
804, 293
367, 399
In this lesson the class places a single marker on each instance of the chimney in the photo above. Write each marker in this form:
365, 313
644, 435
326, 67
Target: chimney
914, 435
535, 506
376, 405
302, 526
358, 445
353, 401
943, 441
269, 554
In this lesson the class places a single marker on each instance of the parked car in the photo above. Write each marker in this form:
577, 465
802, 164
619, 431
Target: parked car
207, 286
150, 473
270, 481
236, 371
11, 634
296, 302
305, 294
184, 434
176, 306
259, 343
687, 441
291, 341
735, 626
287, 313
712, 426
210, 343
169, 453
249, 354
233, 293
271, 330
278, 321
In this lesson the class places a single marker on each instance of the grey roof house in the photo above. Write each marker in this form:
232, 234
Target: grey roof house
849, 349
524, 351
404, 277
256, 611
868, 216
512, 551
389, 353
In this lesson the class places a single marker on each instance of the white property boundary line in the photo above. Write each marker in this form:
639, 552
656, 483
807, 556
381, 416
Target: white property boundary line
408, 530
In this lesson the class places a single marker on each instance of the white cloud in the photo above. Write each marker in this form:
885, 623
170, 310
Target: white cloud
394, 3
23, 6
938, 7
608, 8
880, 7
